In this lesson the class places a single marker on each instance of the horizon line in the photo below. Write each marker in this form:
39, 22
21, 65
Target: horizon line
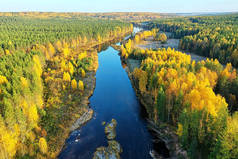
120, 12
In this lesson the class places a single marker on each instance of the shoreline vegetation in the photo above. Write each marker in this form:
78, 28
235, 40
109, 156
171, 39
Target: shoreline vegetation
46, 80
187, 114
48, 63
90, 81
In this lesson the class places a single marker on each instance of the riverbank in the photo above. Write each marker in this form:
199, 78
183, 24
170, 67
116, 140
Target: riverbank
113, 98
161, 131
77, 111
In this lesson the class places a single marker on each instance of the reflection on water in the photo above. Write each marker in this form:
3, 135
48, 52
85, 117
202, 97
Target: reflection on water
115, 98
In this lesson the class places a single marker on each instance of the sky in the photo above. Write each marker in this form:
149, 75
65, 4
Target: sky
160, 6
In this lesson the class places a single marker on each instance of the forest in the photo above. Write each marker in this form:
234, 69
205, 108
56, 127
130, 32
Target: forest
198, 99
185, 95
48, 64
210, 36
43, 65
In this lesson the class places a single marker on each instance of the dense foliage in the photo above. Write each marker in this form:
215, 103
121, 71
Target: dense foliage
161, 37
210, 36
21, 100
183, 94
21, 32
43, 66
125, 50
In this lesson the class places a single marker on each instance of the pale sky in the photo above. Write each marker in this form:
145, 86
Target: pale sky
161, 6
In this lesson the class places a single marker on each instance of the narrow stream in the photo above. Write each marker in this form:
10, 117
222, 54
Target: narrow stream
115, 98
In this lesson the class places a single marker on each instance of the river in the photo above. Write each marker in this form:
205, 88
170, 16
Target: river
113, 98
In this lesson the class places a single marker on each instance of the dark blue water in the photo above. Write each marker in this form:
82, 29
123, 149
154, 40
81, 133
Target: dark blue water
115, 98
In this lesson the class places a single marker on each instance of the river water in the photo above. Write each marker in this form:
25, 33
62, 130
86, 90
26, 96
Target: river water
115, 98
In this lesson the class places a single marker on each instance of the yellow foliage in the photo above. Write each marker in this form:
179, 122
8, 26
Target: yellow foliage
173, 88
66, 52
128, 46
82, 55
83, 74
24, 82
63, 87
8, 141
171, 74
228, 72
31, 135
131, 26
39, 100
33, 115
142, 77
7, 52
203, 97
43, 145
58, 45
24, 106
99, 38
37, 65
81, 85
118, 30
3, 79
180, 129
174, 75
71, 68
74, 84
66, 77
137, 39
63, 65
85, 40
50, 50
123, 51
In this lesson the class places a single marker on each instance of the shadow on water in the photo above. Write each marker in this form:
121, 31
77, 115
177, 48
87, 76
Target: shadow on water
113, 97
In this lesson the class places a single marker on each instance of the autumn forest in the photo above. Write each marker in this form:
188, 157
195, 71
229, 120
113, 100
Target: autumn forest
180, 72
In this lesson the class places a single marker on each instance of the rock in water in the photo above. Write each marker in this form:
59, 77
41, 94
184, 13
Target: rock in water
114, 146
113, 150
110, 129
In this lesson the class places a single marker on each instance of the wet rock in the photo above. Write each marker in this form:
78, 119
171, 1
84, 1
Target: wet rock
155, 155
114, 146
100, 153
82, 120
110, 129
111, 152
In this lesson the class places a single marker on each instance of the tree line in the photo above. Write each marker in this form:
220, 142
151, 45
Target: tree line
43, 64
191, 96
210, 36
